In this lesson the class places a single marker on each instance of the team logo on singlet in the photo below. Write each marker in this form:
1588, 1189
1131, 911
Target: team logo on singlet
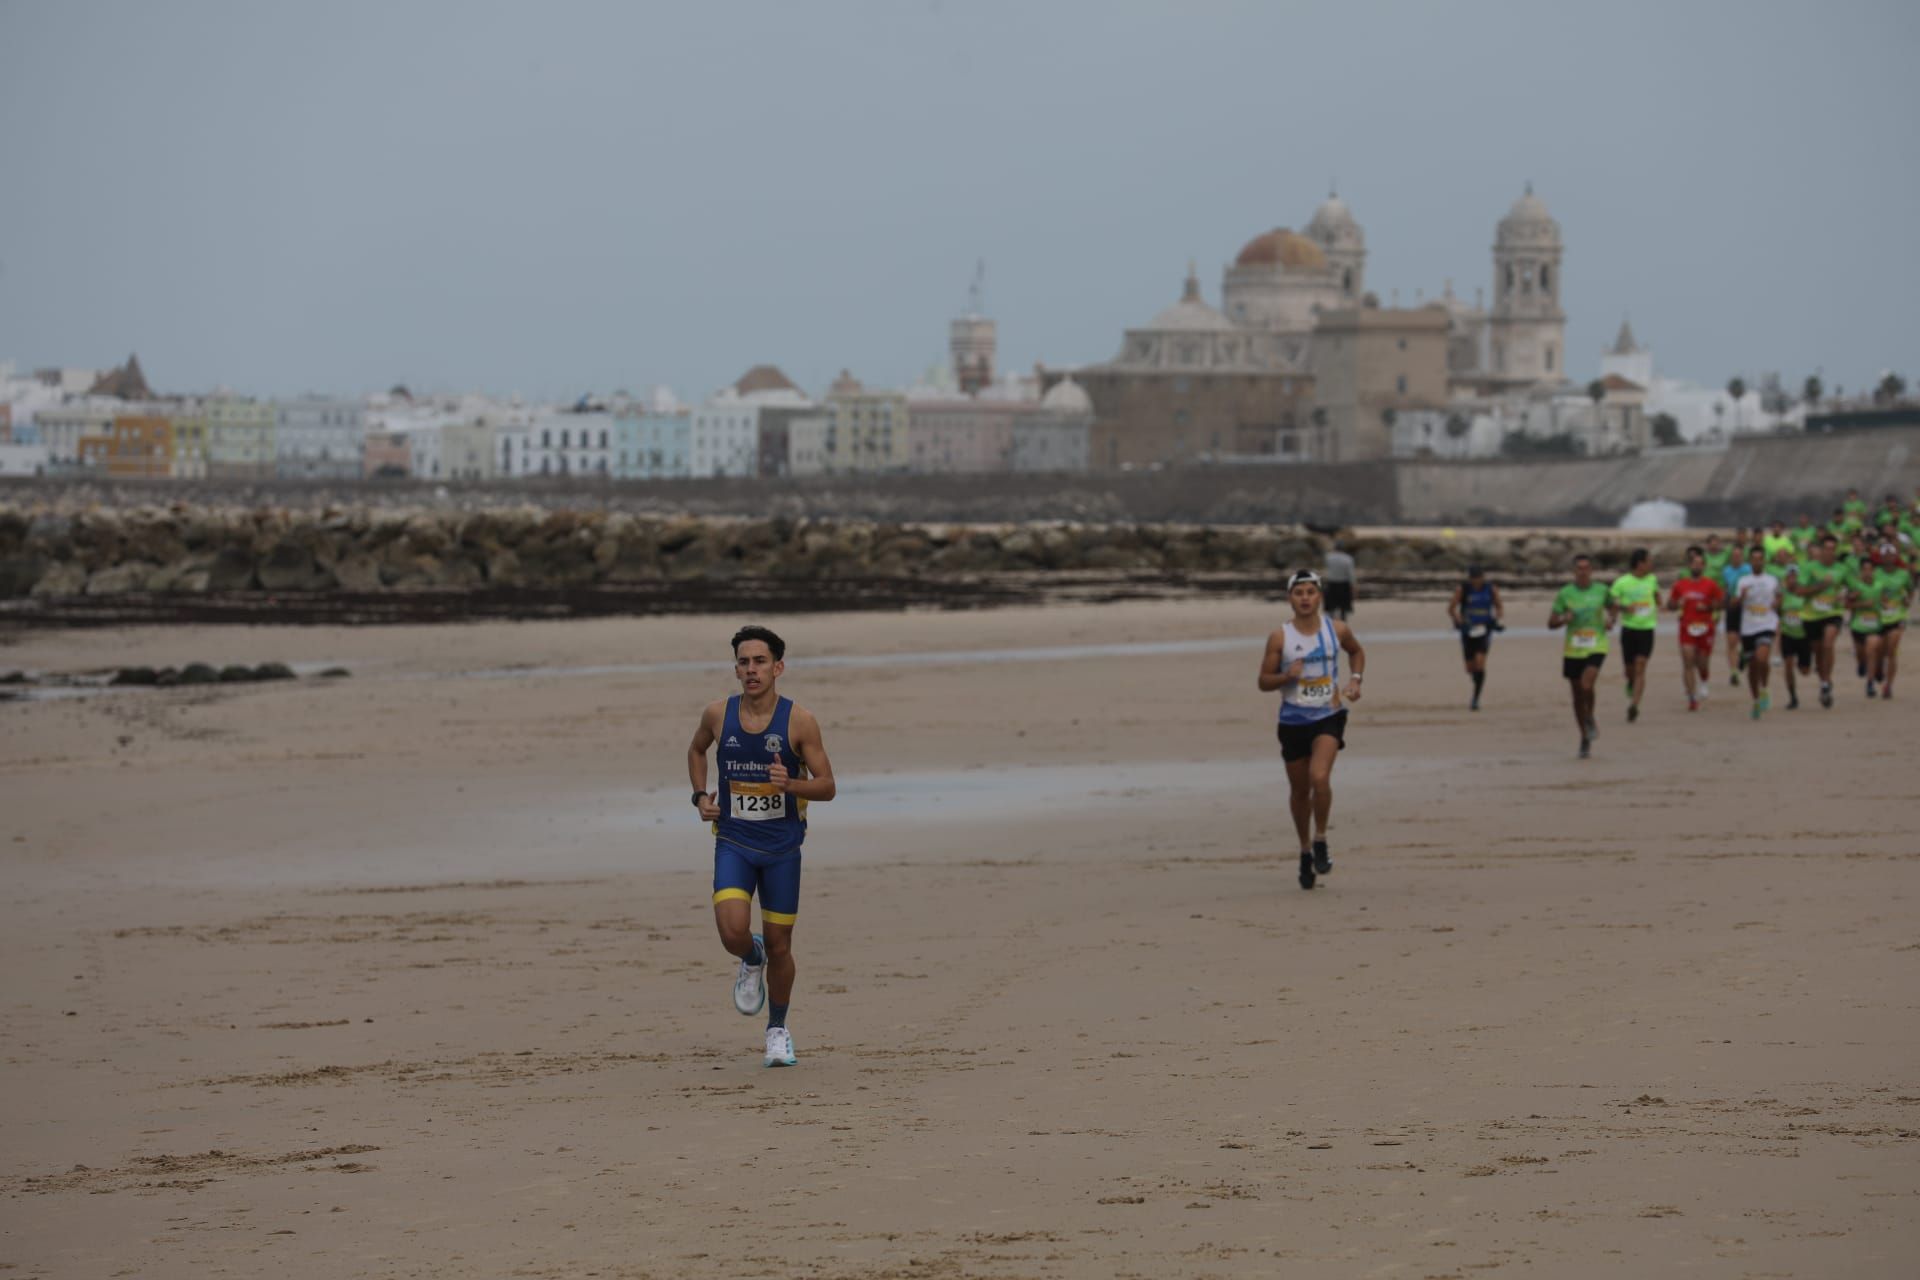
773, 744
732, 741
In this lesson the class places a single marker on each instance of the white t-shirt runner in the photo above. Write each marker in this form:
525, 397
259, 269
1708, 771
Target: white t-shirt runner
1758, 596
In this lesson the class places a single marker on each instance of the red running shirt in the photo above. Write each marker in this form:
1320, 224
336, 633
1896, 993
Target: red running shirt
1698, 598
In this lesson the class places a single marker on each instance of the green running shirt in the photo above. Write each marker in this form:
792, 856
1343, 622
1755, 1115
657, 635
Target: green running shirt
1638, 596
1586, 612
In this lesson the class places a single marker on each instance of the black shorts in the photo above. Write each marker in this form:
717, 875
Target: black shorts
1636, 642
1573, 668
1797, 649
1296, 740
1749, 643
1817, 628
1470, 645
1338, 596
1888, 628
1733, 619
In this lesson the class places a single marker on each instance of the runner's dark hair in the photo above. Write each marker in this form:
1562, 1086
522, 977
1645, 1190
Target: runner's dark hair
1583, 556
775, 645
1640, 556
1696, 550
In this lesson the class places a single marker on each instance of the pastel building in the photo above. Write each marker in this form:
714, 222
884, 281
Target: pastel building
387, 455
653, 445
466, 450
959, 435
191, 452
318, 438
240, 437
810, 441
869, 435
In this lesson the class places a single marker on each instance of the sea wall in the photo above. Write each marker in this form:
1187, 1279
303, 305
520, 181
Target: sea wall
1750, 480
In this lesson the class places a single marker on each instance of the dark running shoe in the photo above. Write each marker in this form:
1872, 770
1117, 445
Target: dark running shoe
1306, 871
1322, 860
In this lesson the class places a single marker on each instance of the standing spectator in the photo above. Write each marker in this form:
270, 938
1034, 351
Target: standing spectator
1338, 576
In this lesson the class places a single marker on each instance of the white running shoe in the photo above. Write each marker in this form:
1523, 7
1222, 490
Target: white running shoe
780, 1048
750, 984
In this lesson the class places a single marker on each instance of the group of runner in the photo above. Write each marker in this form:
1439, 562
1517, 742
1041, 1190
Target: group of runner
1778, 588
1782, 588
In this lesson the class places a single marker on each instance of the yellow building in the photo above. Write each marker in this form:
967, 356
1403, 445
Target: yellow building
240, 438
190, 442
867, 429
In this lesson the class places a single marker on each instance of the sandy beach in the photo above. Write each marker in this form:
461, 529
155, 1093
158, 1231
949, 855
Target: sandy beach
413, 974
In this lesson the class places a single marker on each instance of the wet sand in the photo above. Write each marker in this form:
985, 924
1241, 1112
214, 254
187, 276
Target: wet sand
413, 974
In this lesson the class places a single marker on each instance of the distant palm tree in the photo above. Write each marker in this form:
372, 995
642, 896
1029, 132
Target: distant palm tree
1736, 387
1892, 387
1811, 389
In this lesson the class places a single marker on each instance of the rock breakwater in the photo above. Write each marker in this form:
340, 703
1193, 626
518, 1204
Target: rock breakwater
197, 551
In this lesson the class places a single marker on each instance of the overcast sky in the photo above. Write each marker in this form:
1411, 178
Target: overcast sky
567, 196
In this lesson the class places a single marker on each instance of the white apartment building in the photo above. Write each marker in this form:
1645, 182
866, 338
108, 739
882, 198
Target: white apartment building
62, 427
512, 450
810, 442
318, 438
725, 436
569, 443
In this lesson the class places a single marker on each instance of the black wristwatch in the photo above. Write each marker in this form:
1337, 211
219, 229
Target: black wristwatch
698, 796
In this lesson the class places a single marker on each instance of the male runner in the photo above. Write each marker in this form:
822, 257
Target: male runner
1735, 569
1585, 610
1699, 600
1775, 538
1759, 625
1893, 618
1477, 613
1796, 654
772, 764
1635, 596
1302, 661
1717, 556
1821, 582
1804, 533
1854, 508
1866, 589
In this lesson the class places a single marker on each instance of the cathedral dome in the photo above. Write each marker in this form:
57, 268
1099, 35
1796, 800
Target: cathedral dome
1191, 312
1528, 220
1333, 224
1282, 248
1067, 396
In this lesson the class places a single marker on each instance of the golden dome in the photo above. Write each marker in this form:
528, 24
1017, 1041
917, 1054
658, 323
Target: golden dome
1282, 248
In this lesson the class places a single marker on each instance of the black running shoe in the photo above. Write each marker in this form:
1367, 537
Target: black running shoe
1306, 871
1322, 860
1586, 747
1826, 695
1633, 713
1793, 702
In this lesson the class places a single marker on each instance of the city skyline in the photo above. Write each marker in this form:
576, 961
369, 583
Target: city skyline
529, 203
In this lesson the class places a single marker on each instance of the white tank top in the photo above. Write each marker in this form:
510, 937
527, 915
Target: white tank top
1311, 697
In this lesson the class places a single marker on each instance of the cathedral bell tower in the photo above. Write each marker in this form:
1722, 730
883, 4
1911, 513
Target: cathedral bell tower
1527, 329
971, 341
